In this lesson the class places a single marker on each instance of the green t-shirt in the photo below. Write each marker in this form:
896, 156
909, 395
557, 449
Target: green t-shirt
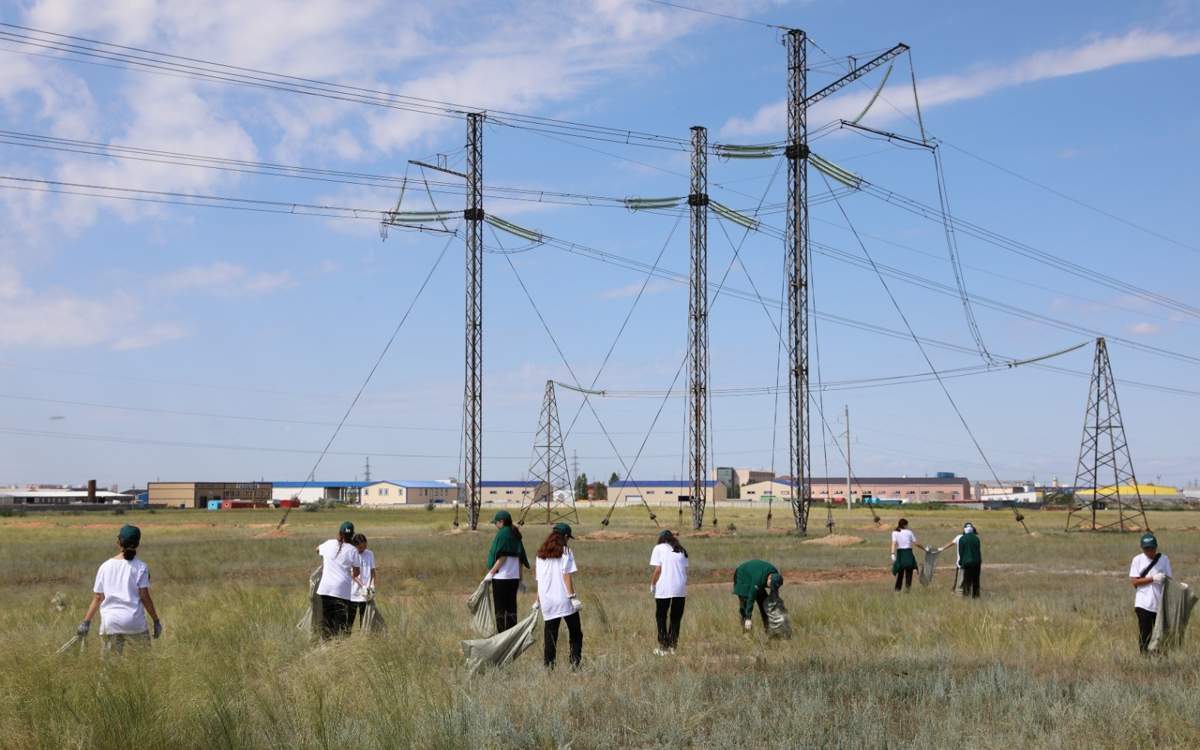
751, 577
969, 552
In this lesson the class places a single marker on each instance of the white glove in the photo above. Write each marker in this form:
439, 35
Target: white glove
893, 557
1158, 577
747, 624
578, 605
652, 592
489, 576
370, 593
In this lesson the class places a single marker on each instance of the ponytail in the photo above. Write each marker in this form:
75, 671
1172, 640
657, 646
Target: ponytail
902, 524
129, 552
507, 522
666, 537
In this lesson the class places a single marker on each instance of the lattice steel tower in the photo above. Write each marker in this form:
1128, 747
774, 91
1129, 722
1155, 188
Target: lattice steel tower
555, 490
1104, 449
698, 361
473, 381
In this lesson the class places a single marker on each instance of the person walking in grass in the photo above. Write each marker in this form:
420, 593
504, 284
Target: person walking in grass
339, 573
1147, 573
753, 582
121, 594
668, 586
969, 560
505, 560
362, 590
556, 594
904, 562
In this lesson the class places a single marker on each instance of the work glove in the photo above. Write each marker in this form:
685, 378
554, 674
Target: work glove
522, 587
747, 624
1158, 577
370, 593
83, 628
652, 592
893, 557
489, 576
578, 605
157, 628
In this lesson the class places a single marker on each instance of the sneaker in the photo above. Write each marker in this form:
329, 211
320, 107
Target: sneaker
659, 652
671, 651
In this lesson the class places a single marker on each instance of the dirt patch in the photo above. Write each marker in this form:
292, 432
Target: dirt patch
27, 524
707, 534
272, 534
836, 540
454, 531
101, 526
609, 536
872, 527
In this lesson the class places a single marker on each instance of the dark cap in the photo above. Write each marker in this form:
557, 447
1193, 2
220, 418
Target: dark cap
502, 515
663, 535
564, 529
129, 536
346, 528
1148, 541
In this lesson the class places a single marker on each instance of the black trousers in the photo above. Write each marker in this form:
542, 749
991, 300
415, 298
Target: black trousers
335, 616
668, 613
550, 639
970, 582
760, 600
358, 610
504, 601
904, 577
1145, 620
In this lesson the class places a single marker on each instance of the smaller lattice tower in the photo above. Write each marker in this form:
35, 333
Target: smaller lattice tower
1104, 452
554, 490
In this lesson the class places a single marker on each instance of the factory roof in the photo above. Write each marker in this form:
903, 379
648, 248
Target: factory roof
622, 483
299, 485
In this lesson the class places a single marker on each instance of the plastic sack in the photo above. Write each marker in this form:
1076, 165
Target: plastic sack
483, 615
778, 623
928, 565
315, 614
1178, 599
492, 653
372, 621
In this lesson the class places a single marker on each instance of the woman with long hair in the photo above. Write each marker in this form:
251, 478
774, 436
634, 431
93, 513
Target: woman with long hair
668, 586
339, 573
121, 593
904, 562
363, 590
556, 594
505, 560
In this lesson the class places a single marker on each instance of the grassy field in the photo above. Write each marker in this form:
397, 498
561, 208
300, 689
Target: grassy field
1047, 658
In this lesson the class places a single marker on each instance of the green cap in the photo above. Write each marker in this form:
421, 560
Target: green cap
1148, 540
346, 528
502, 515
129, 536
564, 529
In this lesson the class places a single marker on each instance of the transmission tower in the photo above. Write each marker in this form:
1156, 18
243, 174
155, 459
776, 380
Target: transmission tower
367, 470
473, 383
549, 467
698, 326
1103, 449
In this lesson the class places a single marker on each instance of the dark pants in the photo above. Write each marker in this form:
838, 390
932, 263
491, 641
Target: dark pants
904, 577
504, 600
358, 610
971, 580
1145, 620
760, 600
550, 639
668, 610
335, 616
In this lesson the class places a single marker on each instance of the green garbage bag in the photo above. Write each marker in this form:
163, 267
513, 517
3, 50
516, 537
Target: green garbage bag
1178, 599
479, 604
778, 623
492, 653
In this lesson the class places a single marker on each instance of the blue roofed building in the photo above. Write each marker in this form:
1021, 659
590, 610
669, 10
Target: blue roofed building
386, 492
661, 491
318, 490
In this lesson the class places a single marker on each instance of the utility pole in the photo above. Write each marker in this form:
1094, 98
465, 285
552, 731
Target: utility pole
698, 328
550, 466
849, 501
473, 386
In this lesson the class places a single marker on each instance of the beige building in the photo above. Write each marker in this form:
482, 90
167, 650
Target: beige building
660, 491
197, 494
389, 492
904, 489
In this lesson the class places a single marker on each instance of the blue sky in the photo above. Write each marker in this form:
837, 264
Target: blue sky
221, 313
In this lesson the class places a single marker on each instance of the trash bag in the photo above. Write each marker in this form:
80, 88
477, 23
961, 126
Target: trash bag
315, 614
928, 565
372, 621
778, 623
1178, 599
75, 640
483, 614
490, 653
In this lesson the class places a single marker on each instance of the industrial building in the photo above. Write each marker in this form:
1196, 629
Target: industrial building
59, 497
318, 491
197, 494
734, 479
940, 489
407, 492
661, 491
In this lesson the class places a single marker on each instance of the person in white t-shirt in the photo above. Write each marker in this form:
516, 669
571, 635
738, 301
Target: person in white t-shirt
362, 590
1147, 573
339, 573
122, 595
904, 562
555, 569
668, 585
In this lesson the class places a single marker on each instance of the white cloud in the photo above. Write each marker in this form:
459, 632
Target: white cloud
1143, 328
654, 286
222, 278
1138, 45
156, 334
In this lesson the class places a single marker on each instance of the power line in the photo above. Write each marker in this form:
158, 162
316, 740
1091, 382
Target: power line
716, 14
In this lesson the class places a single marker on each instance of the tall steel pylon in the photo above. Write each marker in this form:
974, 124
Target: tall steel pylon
549, 468
473, 381
1105, 448
796, 260
698, 326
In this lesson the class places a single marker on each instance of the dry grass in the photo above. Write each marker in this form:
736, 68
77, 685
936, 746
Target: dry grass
1046, 659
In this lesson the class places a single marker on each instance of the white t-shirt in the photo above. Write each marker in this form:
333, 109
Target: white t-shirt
904, 539
335, 577
552, 591
510, 568
359, 593
1149, 596
672, 582
122, 612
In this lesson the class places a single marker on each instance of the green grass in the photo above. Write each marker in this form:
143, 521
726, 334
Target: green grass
1046, 659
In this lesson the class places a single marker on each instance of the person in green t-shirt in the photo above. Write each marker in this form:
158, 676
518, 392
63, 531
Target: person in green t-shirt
753, 582
505, 560
970, 559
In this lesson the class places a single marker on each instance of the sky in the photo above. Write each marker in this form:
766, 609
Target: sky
145, 340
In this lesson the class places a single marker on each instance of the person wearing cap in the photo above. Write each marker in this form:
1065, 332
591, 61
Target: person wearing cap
505, 560
904, 562
340, 572
362, 590
969, 558
753, 582
668, 586
556, 594
121, 593
1147, 573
